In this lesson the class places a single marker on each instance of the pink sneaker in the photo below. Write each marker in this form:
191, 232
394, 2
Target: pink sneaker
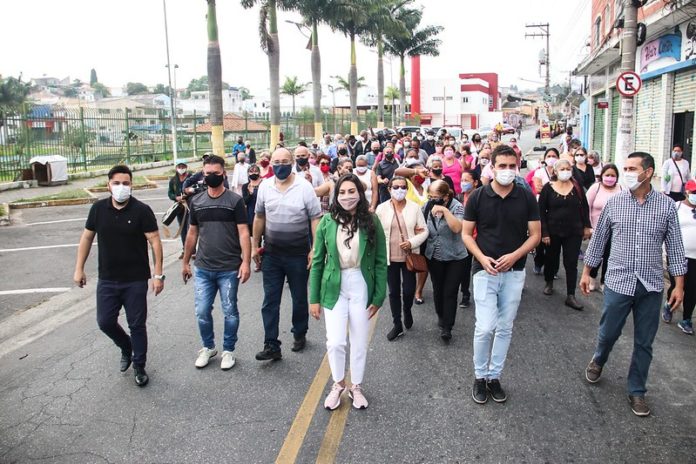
356, 394
333, 399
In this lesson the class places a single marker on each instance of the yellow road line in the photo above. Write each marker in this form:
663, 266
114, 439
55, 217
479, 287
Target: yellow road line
298, 430
337, 423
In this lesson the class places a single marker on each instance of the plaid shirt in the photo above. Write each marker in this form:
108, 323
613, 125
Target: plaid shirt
637, 233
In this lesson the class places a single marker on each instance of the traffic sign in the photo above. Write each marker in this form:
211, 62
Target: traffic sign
628, 83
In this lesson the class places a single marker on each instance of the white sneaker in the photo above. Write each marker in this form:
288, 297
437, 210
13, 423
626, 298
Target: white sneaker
333, 399
228, 360
356, 394
204, 355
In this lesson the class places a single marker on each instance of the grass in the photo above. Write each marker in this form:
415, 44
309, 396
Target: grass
137, 180
2, 211
66, 195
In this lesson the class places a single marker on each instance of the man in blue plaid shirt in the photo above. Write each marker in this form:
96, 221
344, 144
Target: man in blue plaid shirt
637, 221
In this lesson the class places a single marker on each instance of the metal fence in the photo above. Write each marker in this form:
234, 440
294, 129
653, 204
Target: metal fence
93, 139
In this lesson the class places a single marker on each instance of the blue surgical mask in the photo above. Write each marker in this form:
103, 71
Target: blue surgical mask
676, 155
467, 186
282, 171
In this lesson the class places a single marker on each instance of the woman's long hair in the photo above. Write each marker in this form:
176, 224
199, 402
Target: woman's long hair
362, 219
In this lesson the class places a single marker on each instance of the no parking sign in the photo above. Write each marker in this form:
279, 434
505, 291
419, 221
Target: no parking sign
628, 84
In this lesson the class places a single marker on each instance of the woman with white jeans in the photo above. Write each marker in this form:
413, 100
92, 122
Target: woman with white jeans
348, 279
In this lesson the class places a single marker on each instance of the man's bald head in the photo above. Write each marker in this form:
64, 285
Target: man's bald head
301, 152
281, 154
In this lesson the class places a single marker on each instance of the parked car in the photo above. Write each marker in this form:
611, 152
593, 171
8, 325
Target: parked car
455, 131
508, 129
410, 130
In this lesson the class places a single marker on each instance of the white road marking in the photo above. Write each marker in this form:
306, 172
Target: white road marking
71, 245
68, 220
34, 290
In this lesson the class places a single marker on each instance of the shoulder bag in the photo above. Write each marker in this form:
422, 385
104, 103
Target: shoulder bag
414, 261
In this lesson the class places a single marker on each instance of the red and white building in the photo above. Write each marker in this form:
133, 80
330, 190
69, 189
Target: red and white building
464, 100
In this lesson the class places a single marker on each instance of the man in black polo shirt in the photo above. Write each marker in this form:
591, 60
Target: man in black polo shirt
385, 171
506, 217
124, 226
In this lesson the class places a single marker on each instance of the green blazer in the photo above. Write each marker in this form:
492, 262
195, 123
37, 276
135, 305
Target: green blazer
325, 275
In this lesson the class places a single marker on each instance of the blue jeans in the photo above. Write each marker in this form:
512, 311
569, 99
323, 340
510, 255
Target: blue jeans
275, 270
645, 306
207, 284
497, 299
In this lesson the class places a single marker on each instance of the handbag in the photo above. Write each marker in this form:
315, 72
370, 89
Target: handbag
171, 213
414, 261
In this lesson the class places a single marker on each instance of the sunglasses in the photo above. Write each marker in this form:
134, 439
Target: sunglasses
399, 187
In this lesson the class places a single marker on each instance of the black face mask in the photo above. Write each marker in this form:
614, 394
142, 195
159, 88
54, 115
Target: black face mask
389, 155
302, 161
438, 202
375, 151
253, 176
477, 140
437, 172
343, 152
214, 180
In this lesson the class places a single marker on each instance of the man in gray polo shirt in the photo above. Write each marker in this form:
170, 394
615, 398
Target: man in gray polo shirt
287, 215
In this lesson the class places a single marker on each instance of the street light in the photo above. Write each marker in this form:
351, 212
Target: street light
169, 73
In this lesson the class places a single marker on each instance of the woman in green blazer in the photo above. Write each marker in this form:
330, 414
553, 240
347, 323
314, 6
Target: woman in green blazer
348, 279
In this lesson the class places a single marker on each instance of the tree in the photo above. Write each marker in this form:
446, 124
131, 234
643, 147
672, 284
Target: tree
136, 88
70, 92
292, 88
344, 84
214, 82
161, 88
93, 77
392, 94
391, 26
101, 89
13, 92
418, 42
270, 44
245, 94
354, 20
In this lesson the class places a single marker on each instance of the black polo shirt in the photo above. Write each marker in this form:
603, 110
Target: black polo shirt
501, 223
121, 239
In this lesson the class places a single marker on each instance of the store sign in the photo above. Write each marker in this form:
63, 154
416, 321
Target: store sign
602, 104
661, 52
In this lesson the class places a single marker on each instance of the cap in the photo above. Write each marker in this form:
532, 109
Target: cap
690, 186
181, 164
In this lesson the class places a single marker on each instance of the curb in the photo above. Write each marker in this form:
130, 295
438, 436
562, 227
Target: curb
149, 185
5, 219
66, 202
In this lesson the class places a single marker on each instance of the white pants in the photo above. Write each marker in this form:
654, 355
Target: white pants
350, 309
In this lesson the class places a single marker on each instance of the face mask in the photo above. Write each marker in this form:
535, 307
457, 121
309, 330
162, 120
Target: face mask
389, 155
451, 143
484, 162
631, 180
214, 180
324, 168
418, 180
282, 171
609, 181
398, 194
449, 154
343, 151
407, 144
120, 193
676, 155
692, 198
361, 169
438, 201
477, 140
181, 171
264, 163
505, 176
579, 159
467, 186
437, 172
348, 202
551, 161
302, 162
313, 161
565, 175
430, 138
375, 151
253, 176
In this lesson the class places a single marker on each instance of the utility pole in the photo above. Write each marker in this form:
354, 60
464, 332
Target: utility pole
544, 33
444, 106
624, 133
169, 73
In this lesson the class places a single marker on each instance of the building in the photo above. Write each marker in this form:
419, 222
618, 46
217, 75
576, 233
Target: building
468, 100
666, 62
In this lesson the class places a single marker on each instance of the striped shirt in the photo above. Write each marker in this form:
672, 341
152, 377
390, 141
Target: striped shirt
288, 216
637, 233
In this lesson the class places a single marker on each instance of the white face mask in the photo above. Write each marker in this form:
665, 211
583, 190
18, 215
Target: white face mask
504, 177
631, 180
692, 198
121, 193
565, 175
181, 171
484, 161
361, 169
579, 159
398, 194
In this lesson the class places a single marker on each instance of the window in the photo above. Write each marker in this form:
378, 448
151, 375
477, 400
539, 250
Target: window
598, 31
607, 19
465, 99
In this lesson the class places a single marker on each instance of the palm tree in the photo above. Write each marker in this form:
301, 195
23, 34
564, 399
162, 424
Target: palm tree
418, 42
270, 44
293, 88
215, 82
356, 19
392, 94
344, 84
391, 25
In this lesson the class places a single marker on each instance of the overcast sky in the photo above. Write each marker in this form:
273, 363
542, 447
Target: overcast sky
124, 41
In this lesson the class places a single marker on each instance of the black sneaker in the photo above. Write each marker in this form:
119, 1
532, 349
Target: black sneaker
395, 333
141, 378
479, 392
299, 344
269, 354
408, 319
639, 406
446, 335
496, 391
125, 361
466, 302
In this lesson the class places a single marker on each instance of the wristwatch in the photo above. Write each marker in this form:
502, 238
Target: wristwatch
159, 277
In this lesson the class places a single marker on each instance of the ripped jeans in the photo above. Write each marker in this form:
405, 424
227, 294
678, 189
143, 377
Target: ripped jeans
207, 284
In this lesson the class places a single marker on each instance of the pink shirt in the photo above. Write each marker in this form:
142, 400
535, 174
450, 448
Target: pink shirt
454, 171
597, 197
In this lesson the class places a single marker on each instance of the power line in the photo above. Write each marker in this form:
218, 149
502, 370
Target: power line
545, 33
